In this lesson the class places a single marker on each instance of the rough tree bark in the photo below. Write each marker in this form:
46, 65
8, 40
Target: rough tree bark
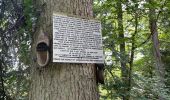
61, 81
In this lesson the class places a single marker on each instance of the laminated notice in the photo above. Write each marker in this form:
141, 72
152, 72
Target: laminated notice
77, 40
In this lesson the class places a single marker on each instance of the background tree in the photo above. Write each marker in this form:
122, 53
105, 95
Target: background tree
159, 68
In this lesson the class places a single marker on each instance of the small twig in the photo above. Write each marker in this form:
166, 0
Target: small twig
161, 9
144, 41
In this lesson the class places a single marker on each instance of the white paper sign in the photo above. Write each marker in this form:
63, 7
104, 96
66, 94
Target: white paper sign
76, 40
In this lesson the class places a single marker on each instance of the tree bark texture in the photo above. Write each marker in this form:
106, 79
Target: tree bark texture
62, 81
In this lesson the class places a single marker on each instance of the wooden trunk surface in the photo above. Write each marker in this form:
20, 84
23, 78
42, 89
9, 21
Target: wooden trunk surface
59, 81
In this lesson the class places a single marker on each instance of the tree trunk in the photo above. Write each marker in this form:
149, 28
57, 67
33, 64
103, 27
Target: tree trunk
133, 47
62, 81
124, 70
155, 40
160, 71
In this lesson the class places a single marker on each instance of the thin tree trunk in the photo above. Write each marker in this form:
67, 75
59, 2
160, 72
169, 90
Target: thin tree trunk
61, 81
155, 40
124, 70
160, 71
133, 47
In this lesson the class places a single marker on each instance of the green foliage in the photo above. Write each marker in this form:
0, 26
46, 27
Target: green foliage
144, 84
15, 33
